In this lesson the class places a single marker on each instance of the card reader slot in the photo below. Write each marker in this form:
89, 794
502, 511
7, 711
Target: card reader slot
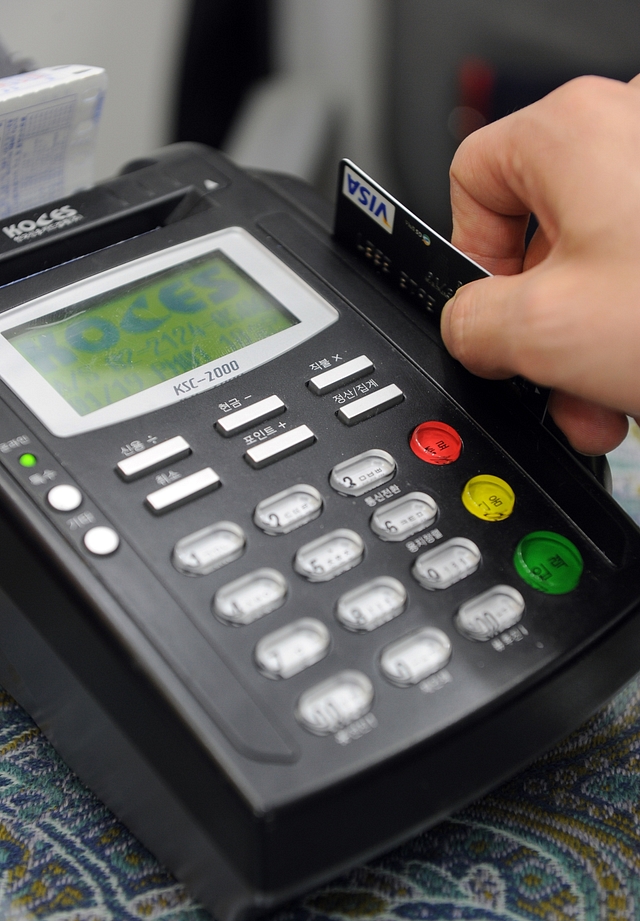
82, 238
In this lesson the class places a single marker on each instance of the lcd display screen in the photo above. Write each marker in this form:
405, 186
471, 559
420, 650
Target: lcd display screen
103, 350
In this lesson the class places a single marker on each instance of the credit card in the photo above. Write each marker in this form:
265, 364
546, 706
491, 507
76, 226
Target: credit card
408, 255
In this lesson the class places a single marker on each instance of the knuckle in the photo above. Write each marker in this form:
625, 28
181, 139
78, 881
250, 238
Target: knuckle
587, 96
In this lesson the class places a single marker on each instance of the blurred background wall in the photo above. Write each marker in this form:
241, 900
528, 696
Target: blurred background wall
462, 63
139, 42
296, 84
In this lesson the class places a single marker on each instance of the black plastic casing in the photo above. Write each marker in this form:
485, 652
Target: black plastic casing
158, 706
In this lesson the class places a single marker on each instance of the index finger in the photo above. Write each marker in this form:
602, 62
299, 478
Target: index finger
490, 237
541, 160
489, 217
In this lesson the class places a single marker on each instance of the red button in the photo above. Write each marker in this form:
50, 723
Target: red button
436, 443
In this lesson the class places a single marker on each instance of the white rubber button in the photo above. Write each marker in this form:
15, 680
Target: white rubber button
183, 490
485, 616
371, 605
329, 556
281, 446
250, 597
405, 516
447, 564
101, 541
416, 656
153, 458
335, 702
250, 415
371, 405
292, 648
64, 498
288, 510
344, 374
365, 471
204, 551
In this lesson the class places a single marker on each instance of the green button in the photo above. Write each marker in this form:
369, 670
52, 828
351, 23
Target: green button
28, 460
548, 562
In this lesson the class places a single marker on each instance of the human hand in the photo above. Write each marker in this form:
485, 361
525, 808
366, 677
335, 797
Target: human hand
565, 313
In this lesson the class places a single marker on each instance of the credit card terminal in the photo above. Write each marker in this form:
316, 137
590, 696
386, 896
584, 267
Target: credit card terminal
280, 580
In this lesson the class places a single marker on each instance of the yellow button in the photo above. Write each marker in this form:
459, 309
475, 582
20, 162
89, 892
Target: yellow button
488, 497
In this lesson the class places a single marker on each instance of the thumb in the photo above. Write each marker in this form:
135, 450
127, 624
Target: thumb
480, 328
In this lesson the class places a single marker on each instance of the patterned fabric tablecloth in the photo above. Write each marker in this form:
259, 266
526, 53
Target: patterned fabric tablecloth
559, 842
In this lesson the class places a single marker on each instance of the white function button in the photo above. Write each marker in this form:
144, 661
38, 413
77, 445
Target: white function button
363, 472
183, 490
101, 541
288, 510
336, 377
414, 657
64, 498
204, 551
250, 415
370, 405
281, 446
329, 556
293, 648
335, 703
403, 517
371, 605
488, 614
447, 564
250, 597
153, 458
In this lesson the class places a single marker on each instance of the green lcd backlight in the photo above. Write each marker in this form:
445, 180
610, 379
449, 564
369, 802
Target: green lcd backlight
103, 350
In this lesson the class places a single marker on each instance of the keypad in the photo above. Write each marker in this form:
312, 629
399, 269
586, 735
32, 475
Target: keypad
376, 605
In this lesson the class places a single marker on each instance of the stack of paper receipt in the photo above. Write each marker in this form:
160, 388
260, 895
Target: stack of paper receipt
48, 127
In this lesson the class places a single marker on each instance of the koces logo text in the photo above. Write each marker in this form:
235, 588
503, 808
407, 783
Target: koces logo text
29, 229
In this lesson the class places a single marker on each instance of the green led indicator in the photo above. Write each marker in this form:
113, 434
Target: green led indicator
27, 460
548, 562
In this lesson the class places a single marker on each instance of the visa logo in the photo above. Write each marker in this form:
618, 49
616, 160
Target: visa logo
370, 201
